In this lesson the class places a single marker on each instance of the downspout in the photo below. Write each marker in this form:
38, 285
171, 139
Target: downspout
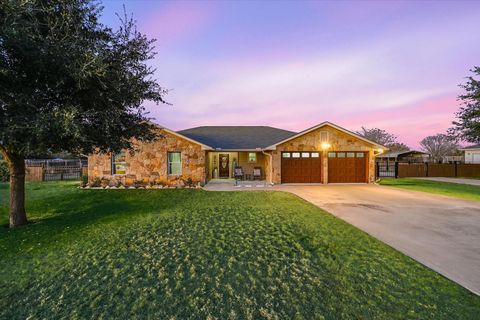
271, 165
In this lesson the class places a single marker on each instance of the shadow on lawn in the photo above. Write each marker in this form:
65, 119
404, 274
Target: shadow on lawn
69, 210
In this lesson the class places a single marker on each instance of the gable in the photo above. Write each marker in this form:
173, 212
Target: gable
326, 126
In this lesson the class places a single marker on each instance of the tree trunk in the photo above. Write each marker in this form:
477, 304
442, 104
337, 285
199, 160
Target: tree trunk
16, 166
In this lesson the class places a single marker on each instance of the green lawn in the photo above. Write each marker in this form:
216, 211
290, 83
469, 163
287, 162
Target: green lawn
456, 190
192, 254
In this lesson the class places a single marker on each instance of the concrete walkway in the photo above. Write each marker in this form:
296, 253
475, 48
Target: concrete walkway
440, 232
473, 182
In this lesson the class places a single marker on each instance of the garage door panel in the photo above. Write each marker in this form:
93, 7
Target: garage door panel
303, 169
347, 167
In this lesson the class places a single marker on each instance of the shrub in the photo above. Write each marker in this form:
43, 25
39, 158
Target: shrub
4, 174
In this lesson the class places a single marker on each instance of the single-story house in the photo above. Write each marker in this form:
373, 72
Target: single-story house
406, 156
472, 154
325, 153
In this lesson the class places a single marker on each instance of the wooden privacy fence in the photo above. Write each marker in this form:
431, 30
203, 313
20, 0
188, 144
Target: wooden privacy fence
406, 170
50, 170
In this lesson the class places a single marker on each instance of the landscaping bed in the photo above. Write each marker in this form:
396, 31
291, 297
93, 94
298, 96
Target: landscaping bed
192, 254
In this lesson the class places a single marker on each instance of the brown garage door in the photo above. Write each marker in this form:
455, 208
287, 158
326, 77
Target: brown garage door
301, 167
347, 167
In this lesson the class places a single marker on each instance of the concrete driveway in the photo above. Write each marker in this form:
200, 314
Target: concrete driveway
440, 232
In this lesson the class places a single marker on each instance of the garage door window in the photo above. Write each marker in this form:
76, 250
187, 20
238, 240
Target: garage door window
341, 154
315, 154
350, 154
305, 155
332, 154
359, 154
295, 154
286, 155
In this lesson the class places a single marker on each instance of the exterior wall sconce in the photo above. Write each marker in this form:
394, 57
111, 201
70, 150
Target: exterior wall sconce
325, 146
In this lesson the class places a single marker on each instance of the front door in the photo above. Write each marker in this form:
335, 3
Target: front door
224, 166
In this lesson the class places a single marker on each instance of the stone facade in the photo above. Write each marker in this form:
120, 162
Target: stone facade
148, 164
311, 141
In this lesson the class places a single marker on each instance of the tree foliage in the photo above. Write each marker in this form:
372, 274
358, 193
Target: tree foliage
69, 83
467, 125
439, 145
383, 138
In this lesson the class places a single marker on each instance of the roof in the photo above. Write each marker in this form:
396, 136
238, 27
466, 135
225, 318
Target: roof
237, 137
400, 153
326, 123
204, 146
474, 147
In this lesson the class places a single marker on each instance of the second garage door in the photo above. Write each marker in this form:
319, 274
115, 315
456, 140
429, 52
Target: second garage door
301, 167
347, 167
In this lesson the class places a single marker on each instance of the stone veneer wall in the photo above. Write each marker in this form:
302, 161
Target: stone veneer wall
149, 163
338, 140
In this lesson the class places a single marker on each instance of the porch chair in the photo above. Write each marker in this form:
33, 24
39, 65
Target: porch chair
238, 173
257, 173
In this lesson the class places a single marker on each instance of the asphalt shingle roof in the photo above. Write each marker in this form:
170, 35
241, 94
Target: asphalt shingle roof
476, 146
237, 137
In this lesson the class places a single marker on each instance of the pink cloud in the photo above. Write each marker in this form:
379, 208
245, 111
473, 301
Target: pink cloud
176, 21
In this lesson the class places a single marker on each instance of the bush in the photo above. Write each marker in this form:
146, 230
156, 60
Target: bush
4, 175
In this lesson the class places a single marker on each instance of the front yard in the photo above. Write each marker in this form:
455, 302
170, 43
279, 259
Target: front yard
456, 190
192, 254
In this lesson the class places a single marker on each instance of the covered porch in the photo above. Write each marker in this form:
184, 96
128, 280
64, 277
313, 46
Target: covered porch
252, 164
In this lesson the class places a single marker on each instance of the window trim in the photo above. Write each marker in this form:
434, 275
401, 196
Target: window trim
114, 164
169, 173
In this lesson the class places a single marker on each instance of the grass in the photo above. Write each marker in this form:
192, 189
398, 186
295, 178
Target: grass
191, 254
457, 190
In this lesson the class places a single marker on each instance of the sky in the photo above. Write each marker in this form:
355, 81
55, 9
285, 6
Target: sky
393, 65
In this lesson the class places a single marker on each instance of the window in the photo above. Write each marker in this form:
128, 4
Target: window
174, 163
315, 154
295, 154
119, 165
252, 157
360, 154
350, 154
305, 155
341, 154
286, 154
332, 154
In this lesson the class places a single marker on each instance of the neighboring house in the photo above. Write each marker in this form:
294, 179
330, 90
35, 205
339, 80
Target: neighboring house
472, 154
411, 156
325, 153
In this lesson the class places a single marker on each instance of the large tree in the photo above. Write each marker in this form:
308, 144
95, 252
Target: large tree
384, 138
467, 125
69, 83
439, 145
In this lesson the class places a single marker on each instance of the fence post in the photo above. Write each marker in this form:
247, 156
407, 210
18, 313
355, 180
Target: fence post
426, 169
456, 174
396, 169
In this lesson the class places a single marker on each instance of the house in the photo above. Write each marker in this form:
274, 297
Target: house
408, 156
472, 154
325, 153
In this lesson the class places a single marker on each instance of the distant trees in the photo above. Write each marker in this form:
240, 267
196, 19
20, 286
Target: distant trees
384, 138
467, 125
439, 145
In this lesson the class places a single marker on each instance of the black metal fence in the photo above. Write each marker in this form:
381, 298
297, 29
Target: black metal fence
50, 170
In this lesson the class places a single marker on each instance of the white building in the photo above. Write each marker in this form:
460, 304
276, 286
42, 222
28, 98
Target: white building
472, 154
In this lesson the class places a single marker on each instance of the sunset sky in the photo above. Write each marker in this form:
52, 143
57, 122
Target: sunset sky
392, 65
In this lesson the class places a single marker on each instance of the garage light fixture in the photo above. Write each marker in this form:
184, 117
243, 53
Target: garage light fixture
325, 146
379, 151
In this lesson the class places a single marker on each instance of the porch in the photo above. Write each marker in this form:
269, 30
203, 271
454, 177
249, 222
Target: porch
236, 185
221, 165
